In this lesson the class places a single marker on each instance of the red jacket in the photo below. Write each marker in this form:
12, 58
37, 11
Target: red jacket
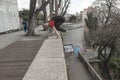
51, 23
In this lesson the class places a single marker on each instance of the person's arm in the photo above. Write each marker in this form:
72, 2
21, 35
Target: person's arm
58, 35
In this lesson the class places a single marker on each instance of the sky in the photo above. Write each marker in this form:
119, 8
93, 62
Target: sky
23, 4
75, 6
79, 5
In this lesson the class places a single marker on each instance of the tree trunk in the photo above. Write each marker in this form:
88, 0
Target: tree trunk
44, 11
107, 76
56, 7
51, 8
65, 7
31, 27
32, 18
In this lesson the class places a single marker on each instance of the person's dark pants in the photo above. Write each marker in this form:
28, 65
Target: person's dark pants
59, 28
25, 28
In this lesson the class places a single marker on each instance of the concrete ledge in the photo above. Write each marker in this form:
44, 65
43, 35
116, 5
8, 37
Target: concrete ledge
90, 68
10, 31
49, 63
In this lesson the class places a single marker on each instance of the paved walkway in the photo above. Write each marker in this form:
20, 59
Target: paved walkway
10, 38
49, 64
16, 58
17, 52
77, 70
75, 36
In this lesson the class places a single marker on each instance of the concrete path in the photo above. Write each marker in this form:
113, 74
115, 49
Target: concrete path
76, 69
16, 58
75, 36
10, 38
49, 64
17, 52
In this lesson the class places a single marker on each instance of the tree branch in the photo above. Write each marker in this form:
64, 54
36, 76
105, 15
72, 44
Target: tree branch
42, 7
65, 11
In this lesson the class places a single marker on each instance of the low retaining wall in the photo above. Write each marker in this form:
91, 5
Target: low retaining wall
90, 68
49, 63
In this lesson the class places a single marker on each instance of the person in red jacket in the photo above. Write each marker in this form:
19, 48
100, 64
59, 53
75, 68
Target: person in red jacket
55, 23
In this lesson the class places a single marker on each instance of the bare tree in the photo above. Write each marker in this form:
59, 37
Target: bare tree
35, 11
107, 35
32, 16
65, 7
31, 23
56, 7
51, 8
44, 12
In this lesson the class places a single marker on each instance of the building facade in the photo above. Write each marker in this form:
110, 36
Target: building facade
9, 19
